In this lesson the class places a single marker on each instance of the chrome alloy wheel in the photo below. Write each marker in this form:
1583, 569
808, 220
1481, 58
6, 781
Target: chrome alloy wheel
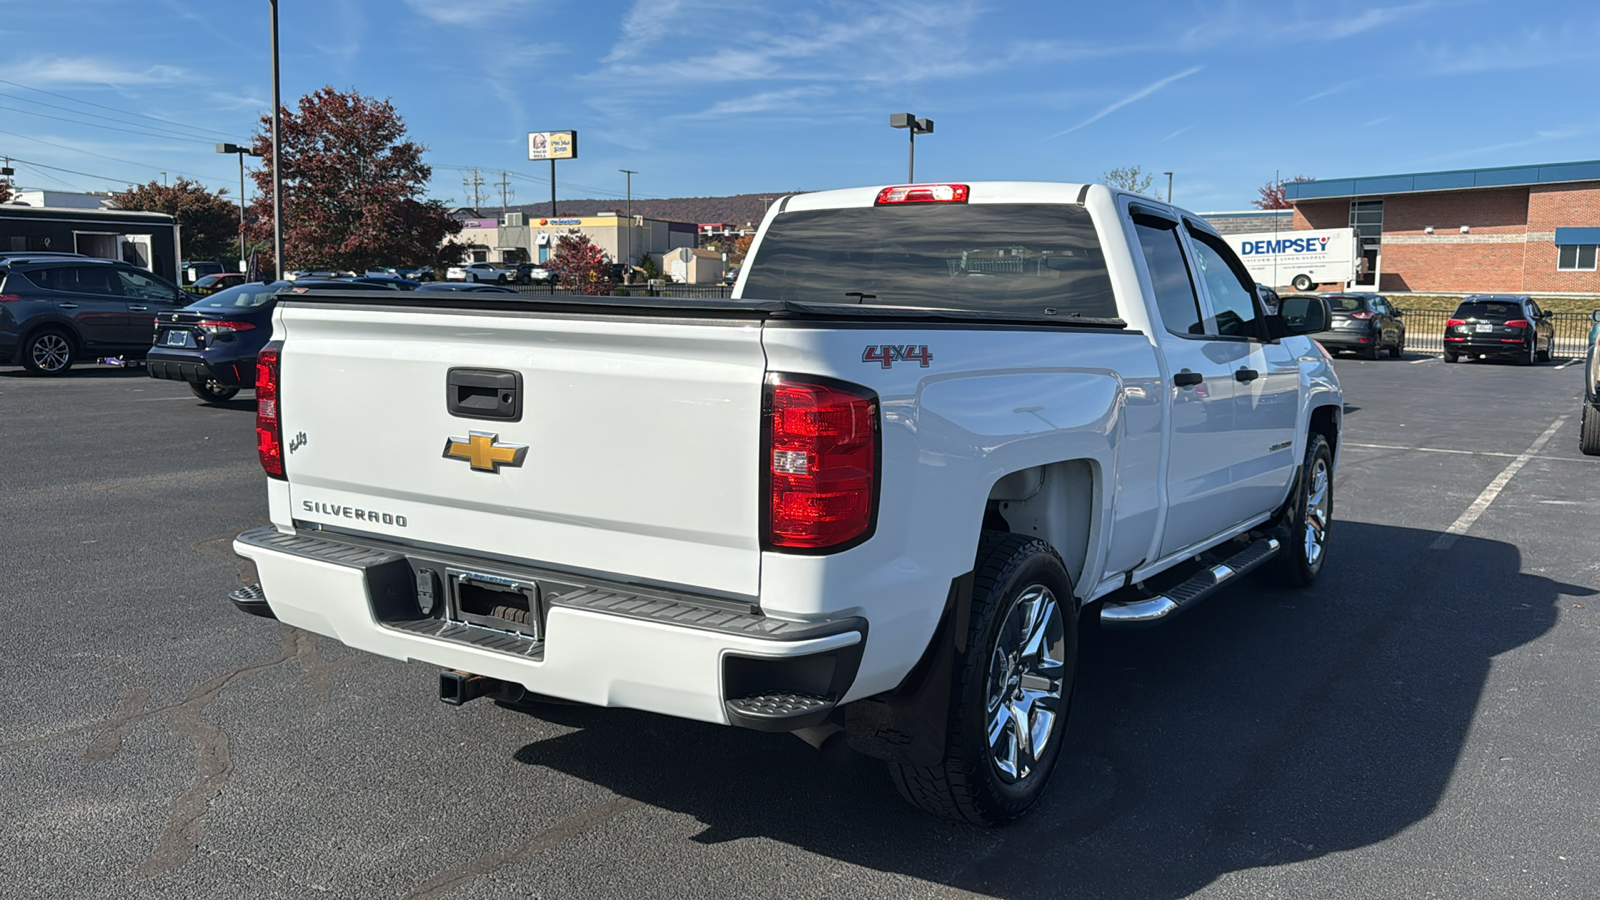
51, 352
1026, 677
1317, 503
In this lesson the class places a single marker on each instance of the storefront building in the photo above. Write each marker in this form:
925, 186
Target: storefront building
524, 238
1518, 229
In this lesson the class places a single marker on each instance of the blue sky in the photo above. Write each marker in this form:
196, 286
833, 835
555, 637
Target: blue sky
711, 97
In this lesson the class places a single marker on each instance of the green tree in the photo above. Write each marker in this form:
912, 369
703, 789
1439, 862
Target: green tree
1129, 178
209, 221
352, 187
648, 266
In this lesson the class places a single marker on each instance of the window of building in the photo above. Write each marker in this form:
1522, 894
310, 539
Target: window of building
1366, 217
1576, 257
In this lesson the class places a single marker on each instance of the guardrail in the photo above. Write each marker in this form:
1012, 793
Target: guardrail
1425, 332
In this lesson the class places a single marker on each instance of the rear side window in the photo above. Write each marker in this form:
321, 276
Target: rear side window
77, 280
1169, 275
1494, 310
1017, 258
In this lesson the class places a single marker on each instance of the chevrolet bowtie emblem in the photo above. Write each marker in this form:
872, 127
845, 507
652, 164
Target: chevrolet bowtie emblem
484, 451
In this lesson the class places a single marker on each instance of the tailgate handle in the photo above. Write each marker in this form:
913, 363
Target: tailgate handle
484, 394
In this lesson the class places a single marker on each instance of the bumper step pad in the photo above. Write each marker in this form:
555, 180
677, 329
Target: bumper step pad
251, 599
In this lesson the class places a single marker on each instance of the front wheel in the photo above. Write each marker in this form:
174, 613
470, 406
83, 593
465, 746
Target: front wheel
1589, 431
1308, 516
1011, 692
213, 391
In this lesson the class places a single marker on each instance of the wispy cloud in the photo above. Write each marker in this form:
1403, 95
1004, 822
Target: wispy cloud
1134, 97
478, 12
762, 102
1174, 134
1328, 92
1539, 137
83, 70
1532, 49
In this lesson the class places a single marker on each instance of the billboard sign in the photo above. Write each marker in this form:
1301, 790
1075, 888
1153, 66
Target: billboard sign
553, 145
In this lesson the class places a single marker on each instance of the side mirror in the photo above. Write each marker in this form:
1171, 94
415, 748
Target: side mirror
1300, 315
1595, 316
1398, 314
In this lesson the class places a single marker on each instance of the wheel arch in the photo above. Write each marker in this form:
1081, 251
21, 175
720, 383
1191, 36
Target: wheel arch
61, 325
1057, 502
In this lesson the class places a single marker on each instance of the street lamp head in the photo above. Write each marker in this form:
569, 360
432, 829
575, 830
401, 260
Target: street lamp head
230, 148
924, 126
902, 120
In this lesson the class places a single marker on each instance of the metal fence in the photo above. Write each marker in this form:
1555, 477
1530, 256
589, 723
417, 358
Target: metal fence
698, 291
1425, 332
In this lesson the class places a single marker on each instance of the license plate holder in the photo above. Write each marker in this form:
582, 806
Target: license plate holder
1484, 328
177, 337
500, 602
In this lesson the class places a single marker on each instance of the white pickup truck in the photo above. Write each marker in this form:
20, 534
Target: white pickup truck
876, 490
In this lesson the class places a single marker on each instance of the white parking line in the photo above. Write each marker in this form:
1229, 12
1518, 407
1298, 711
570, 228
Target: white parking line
1422, 360
1428, 449
1569, 363
1465, 520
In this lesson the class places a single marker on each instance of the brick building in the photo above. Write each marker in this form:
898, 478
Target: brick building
1518, 229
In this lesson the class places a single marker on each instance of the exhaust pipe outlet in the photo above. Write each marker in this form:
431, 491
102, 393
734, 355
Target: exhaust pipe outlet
457, 687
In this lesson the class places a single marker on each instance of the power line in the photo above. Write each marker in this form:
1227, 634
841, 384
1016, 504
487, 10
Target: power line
40, 165
112, 158
111, 108
166, 136
91, 115
473, 183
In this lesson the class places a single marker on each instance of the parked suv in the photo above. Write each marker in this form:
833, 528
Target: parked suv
1589, 427
1364, 323
1507, 327
57, 310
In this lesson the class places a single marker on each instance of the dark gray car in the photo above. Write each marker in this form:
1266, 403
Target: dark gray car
55, 311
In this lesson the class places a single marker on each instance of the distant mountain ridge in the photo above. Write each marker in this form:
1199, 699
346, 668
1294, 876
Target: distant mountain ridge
737, 209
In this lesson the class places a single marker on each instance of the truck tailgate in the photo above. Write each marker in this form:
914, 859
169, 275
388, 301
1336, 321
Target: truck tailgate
642, 438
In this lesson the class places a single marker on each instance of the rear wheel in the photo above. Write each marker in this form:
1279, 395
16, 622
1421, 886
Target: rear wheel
1549, 347
1370, 351
1449, 357
1398, 347
1302, 283
1012, 689
1531, 356
1309, 514
213, 391
1589, 431
48, 353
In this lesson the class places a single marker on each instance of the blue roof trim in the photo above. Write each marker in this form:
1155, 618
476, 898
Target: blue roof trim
1565, 236
1458, 179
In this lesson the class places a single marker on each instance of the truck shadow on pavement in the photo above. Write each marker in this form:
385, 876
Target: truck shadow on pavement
1267, 727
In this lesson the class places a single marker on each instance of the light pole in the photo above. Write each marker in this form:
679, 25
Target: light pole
277, 170
915, 126
242, 153
630, 173
1169, 186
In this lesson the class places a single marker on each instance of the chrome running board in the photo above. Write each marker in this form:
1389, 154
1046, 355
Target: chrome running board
1148, 611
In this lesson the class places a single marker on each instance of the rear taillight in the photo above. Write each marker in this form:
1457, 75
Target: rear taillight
6, 297
1363, 315
1451, 323
923, 193
224, 326
269, 428
820, 461
1517, 323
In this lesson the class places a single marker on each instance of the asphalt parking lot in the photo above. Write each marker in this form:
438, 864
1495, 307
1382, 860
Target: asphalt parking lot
1421, 724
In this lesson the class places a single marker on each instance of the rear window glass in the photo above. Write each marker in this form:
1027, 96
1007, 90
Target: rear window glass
1489, 309
242, 296
1347, 304
1017, 258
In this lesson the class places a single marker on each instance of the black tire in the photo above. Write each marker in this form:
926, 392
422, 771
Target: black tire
1398, 347
970, 783
1305, 547
1549, 347
49, 351
473, 277
500, 280
1449, 357
1302, 283
1370, 351
213, 392
1589, 431
1532, 355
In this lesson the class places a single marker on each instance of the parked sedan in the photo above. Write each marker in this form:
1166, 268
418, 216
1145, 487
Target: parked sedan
1364, 323
1589, 428
1508, 327
212, 344
389, 281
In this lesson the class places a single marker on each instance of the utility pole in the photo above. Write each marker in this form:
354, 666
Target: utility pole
473, 183
630, 173
277, 168
1169, 186
505, 194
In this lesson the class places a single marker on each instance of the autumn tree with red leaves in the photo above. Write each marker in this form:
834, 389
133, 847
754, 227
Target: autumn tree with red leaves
1272, 194
580, 265
352, 188
208, 220
5, 190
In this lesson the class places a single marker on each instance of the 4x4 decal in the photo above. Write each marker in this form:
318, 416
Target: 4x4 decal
889, 354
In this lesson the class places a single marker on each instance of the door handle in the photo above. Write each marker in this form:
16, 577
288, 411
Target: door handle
1246, 375
68, 305
1187, 378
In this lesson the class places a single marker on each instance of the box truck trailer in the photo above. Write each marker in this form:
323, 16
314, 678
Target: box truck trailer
1301, 259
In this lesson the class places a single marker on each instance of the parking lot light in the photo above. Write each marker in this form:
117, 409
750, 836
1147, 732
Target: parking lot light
242, 152
915, 126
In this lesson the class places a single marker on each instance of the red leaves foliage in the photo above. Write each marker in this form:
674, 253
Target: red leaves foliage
209, 221
580, 265
351, 187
